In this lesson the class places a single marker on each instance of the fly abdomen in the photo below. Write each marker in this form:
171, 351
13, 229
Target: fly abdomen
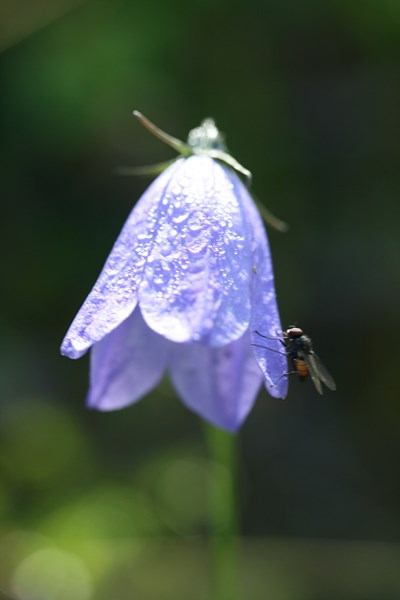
301, 368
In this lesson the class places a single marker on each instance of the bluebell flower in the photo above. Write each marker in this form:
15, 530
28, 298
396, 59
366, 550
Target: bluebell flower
186, 287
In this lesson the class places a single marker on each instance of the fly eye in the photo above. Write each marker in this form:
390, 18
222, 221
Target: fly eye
294, 332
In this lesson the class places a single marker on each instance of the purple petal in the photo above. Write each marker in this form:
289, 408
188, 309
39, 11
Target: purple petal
196, 284
220, 384
126, 364
114, 296
264, 315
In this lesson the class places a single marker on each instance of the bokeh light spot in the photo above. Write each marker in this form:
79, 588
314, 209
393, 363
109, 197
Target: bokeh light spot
51, 574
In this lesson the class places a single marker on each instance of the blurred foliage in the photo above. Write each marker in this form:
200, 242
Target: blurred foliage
114, 505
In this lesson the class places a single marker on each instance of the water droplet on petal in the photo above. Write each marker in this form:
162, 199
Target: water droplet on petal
166, 249
180, 218
143, 235
196, 221
140, 262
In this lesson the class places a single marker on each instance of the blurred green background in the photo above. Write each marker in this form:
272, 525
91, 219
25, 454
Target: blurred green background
113, 505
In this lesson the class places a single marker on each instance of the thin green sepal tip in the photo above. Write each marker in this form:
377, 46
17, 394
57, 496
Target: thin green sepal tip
171, 141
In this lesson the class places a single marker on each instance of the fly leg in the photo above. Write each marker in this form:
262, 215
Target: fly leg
283, 375
266, 337
271, 349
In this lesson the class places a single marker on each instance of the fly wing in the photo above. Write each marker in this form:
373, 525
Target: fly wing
319, 373
313, 368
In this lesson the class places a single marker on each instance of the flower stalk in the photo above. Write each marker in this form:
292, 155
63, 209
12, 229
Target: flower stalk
223, 513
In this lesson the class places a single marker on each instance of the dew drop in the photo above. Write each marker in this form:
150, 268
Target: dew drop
195, 226
180, 218
196, 221
166, 249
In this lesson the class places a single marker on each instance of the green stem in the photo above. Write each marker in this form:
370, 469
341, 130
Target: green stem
223, 514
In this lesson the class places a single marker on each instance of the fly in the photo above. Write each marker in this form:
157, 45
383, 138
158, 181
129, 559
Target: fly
299, 349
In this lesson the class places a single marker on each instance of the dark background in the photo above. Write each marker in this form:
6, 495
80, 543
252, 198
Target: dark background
114, 504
